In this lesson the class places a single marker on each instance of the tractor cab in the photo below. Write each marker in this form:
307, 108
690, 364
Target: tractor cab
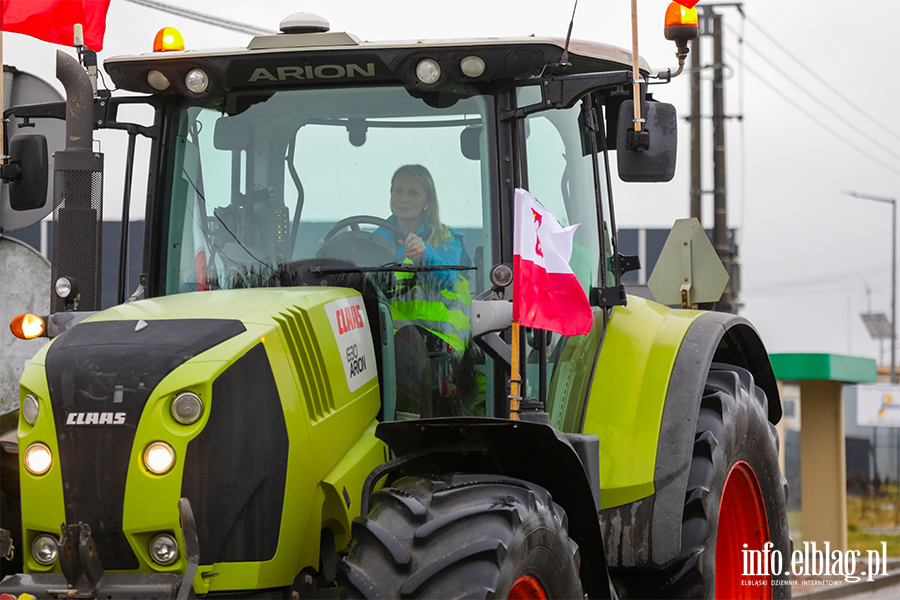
291, 164
313, 187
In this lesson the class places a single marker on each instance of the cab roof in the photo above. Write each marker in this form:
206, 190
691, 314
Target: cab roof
315, 58
310, 42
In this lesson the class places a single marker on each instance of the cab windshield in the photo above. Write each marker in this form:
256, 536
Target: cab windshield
382, 189
262, 180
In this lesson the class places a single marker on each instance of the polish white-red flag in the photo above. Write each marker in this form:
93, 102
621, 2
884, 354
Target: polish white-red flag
54, 20
546, 293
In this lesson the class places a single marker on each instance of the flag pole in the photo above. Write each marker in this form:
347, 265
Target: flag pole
636, 72
514, 380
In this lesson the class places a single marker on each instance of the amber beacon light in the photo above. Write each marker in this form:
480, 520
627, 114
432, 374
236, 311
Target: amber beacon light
168, 39
27, 326
681, 24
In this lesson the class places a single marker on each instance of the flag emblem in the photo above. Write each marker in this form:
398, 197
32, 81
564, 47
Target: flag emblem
546, 293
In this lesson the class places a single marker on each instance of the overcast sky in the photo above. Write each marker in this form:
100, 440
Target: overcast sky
813, 260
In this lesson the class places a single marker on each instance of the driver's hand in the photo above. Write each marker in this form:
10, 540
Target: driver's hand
415, 247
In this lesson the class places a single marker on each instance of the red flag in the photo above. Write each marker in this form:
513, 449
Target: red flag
54, 20
546, 293
687, 3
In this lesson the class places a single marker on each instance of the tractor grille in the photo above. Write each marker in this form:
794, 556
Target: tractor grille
235, 469
308, 363
96, 372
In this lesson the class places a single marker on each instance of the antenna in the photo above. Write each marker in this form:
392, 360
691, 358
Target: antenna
564, 60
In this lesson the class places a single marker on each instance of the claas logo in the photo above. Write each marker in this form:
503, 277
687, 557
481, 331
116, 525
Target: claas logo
349, 319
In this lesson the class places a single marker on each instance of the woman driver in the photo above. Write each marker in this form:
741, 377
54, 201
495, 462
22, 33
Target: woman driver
415, 209
429, 309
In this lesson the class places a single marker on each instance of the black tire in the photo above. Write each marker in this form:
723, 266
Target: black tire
732, 427
466, 536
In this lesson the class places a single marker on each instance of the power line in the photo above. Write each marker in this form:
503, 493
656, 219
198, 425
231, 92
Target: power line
814, 98
204, 18
817, 121
822, 80
801, 287
806, 291
829, 291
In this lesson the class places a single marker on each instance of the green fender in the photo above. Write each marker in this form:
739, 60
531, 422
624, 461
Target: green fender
643, 404
627, 394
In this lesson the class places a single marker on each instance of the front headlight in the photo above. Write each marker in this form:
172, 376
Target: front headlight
187, 408
30, 409
164, 549
44, 549
159, 458
38, 459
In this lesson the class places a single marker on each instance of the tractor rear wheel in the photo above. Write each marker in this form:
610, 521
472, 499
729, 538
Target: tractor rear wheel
466, 536
736, 495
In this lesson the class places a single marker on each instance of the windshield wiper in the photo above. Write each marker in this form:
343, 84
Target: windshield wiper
389, 268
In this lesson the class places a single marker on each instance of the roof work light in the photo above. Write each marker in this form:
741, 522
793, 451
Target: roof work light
168, 39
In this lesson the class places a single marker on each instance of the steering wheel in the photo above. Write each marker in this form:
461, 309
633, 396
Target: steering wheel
354, 221
366, 248
359, 247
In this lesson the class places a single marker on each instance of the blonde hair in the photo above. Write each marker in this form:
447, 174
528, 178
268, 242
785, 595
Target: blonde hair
437, 233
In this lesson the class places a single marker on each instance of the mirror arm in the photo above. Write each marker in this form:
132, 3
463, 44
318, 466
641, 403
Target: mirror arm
488, 318
44, 110
105, 113
628, 263
609, 296
564, 91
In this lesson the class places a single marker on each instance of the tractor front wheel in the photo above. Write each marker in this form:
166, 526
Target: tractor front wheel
466, 536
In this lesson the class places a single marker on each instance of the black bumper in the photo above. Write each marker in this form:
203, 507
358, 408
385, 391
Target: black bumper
112, 586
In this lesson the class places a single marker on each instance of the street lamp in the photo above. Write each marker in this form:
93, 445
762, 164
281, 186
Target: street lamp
893, 203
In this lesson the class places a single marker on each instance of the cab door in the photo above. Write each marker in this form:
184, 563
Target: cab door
566, 172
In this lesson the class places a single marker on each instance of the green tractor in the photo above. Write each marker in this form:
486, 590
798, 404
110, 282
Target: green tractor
308, 396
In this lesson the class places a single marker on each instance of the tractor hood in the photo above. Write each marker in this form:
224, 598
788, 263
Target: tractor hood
250, 306
108, 387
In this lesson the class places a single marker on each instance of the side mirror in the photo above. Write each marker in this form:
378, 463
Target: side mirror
27, 171
651, 157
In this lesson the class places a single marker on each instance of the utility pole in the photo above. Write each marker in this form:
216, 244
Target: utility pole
893, 203
696, 137
720, 225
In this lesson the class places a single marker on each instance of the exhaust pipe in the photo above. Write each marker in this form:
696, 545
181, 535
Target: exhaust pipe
78, 193
79, 102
